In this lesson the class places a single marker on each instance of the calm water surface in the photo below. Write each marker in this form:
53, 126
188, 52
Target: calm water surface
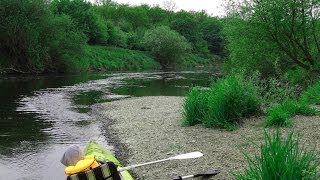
41, 116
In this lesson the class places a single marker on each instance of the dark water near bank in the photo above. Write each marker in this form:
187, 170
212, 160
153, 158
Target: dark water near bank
41, 116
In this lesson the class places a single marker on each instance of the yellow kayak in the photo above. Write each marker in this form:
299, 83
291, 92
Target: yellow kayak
100, 153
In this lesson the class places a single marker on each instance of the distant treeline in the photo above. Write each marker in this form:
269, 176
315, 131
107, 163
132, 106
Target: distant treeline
56, 36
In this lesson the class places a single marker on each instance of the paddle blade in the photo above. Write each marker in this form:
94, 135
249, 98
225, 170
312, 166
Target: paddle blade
210, 172
188, 155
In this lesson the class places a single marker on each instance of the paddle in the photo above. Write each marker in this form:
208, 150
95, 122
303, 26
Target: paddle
178, 157
209, 173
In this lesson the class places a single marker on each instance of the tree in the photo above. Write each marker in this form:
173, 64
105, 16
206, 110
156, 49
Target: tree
292, 25
87, 20
187, 25
167, 45
23, 35
211, 29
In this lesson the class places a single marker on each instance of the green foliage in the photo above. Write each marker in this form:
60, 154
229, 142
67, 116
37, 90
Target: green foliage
275, 91
265, 34
211, 29
281, 158
85, 18
117, 37
297, 76
280, 115
166, 45
277, 117
249, 48
49, 36
187, 25
231, 99
195, 107
312, 94
66, 46
193, 60
23, 33
103, 58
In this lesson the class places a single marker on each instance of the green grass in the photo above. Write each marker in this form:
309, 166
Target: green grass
312, 94
281, 158
195, 106
229, 100
280, 115
109, 58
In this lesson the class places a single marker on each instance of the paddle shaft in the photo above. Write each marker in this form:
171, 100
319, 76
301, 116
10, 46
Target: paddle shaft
143, 164
178, 157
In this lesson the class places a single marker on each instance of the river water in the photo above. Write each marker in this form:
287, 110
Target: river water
41, 116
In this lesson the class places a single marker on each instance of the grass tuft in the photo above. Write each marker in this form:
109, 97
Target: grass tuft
280, 115
229, 100
312, 94
195, 106
281, 158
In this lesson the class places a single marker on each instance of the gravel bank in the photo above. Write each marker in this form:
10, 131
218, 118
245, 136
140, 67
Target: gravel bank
148, 128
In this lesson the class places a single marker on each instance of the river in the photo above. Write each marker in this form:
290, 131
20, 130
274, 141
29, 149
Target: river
41, 116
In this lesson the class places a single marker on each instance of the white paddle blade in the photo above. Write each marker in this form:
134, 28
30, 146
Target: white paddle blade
188, 155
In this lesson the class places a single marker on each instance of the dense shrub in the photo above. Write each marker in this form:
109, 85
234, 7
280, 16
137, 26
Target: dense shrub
281, 158
231, 99
23, 34
280, 115
312, 94
273, 91
297, 76
167, 45
66, 46
195, 106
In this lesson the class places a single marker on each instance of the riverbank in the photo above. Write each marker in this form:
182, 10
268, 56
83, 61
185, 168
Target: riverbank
149, 128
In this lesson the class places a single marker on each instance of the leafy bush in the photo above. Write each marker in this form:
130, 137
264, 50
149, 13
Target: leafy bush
66, 46
195, 106
231, 98
296, 76
23, 36
273, 91
280, 115
281, 158
312, 94
167, 45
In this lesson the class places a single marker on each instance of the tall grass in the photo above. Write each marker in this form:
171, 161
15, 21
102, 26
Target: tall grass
281, 158
280, 115
195, 107
108, 58
312, 94
229, 99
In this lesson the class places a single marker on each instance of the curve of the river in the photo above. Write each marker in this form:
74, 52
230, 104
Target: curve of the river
40, 160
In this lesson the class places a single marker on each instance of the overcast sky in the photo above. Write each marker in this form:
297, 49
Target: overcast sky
213, 7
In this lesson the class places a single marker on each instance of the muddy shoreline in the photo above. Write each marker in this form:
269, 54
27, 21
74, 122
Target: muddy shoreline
149, 128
